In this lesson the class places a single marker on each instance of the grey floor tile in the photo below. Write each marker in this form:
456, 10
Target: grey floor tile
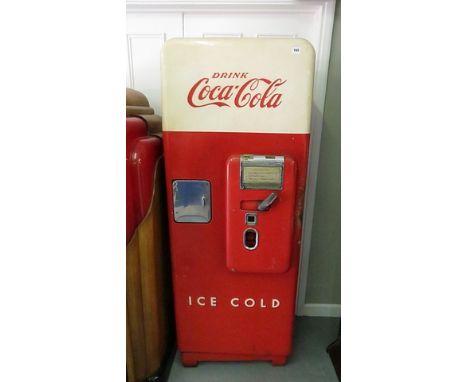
309, 361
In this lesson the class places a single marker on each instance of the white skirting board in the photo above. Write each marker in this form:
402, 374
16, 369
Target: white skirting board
320, 310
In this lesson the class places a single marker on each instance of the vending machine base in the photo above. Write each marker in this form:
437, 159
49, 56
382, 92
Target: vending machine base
192, 359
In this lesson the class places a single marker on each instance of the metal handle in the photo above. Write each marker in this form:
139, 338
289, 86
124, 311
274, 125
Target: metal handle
267, 202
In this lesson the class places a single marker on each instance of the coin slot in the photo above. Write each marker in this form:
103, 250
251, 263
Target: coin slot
251, 219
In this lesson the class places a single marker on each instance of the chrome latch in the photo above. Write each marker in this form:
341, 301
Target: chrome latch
267, 202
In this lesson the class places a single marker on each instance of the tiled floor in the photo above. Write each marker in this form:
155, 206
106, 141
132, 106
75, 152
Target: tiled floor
308, 363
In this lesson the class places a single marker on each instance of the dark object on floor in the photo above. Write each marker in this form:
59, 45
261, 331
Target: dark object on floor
162, 375
334, 351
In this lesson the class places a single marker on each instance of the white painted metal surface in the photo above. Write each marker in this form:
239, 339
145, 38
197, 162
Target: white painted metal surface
253, 85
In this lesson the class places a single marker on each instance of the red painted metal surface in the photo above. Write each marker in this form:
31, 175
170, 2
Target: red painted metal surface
146, 151
274, 227
221, 314
141, 155
135, 128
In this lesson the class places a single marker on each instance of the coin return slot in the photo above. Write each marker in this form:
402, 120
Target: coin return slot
250, 239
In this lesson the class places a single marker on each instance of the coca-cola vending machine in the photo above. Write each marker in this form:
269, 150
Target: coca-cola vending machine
236, 129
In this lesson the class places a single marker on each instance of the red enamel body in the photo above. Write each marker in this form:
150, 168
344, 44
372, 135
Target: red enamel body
210, 324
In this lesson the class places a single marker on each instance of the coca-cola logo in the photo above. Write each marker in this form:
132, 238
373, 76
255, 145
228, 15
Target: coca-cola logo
254, 92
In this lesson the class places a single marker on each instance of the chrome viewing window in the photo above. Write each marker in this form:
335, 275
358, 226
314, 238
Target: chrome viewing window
192, 201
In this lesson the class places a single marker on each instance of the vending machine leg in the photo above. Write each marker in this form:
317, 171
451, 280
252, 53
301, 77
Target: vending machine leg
279, 361
189, 360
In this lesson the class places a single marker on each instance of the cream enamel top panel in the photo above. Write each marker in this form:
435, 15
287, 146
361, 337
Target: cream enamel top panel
267, 85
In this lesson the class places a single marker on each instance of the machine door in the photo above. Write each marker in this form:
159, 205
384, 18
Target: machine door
261, 192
